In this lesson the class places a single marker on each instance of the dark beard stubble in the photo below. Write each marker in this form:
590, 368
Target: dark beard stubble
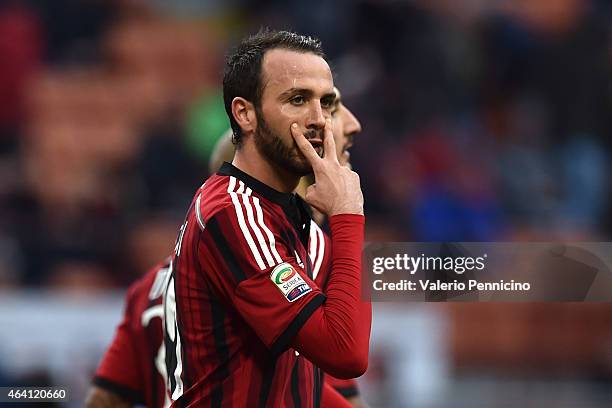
271, 146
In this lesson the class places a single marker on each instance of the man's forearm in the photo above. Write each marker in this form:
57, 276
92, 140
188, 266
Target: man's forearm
336, 336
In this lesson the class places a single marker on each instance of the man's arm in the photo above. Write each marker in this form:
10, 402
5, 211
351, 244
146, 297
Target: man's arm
101, 398
118, 380
336, 336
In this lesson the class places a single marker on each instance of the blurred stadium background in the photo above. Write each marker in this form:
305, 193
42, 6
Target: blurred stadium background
483, 121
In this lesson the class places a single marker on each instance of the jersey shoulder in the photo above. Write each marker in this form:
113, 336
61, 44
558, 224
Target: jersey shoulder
222, 193
150, 285
147, 291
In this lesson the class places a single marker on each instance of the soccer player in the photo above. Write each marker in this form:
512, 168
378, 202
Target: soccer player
345, 126
247, 322
133, 369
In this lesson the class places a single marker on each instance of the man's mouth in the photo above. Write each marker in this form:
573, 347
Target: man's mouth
317, 144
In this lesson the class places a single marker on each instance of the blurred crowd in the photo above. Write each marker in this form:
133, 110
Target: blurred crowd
483, 121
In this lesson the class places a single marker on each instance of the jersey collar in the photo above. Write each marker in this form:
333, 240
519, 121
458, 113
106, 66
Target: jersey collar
295, 208
283, 199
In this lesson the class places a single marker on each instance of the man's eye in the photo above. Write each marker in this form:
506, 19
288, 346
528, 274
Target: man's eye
330, 105
297, 100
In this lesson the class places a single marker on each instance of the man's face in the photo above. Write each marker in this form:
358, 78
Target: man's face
345, 126
297, 88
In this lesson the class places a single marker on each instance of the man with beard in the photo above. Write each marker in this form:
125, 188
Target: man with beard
247, 324
133, 368
344, 127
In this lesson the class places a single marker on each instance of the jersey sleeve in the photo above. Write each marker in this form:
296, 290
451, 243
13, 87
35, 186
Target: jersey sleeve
118, 371
258, 272
336, 337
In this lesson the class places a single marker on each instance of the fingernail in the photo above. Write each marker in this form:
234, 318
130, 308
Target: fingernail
294, 125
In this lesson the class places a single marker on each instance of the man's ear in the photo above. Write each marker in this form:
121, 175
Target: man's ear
244, 114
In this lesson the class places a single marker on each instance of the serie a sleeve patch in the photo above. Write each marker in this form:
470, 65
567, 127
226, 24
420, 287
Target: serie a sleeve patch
289, 282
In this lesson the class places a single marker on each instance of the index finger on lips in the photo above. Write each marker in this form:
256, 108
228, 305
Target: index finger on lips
304, 145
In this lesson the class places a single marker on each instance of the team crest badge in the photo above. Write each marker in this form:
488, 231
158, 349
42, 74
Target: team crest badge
289, 282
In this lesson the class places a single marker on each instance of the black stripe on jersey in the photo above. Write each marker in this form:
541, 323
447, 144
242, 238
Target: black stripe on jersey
179, 328
124, 392
283, 340
347, 392
308, 266
153, 374
295, 384
306, 217
316, 392
266, 383
180, 403
226, 252
171, 359
218, 318
290, 240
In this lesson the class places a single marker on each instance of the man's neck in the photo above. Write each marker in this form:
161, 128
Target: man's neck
304, 183
249, 160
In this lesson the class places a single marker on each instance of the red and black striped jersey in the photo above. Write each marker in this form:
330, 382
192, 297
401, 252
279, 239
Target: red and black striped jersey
134, 364
247, 273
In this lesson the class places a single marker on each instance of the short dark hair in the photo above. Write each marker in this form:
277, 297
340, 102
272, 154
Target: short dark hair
242, 74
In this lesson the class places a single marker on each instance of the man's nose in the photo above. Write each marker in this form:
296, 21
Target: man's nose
316, 116
352, 126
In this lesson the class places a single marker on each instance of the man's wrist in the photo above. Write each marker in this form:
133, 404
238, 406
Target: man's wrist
342, 218
340, 211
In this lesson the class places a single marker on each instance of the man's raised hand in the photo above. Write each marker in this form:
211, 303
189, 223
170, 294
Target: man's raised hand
336, 189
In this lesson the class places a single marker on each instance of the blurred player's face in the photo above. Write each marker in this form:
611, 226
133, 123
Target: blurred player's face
297, 88
345, 126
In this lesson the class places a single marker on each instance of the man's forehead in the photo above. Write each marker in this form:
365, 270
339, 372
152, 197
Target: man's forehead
292, 69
